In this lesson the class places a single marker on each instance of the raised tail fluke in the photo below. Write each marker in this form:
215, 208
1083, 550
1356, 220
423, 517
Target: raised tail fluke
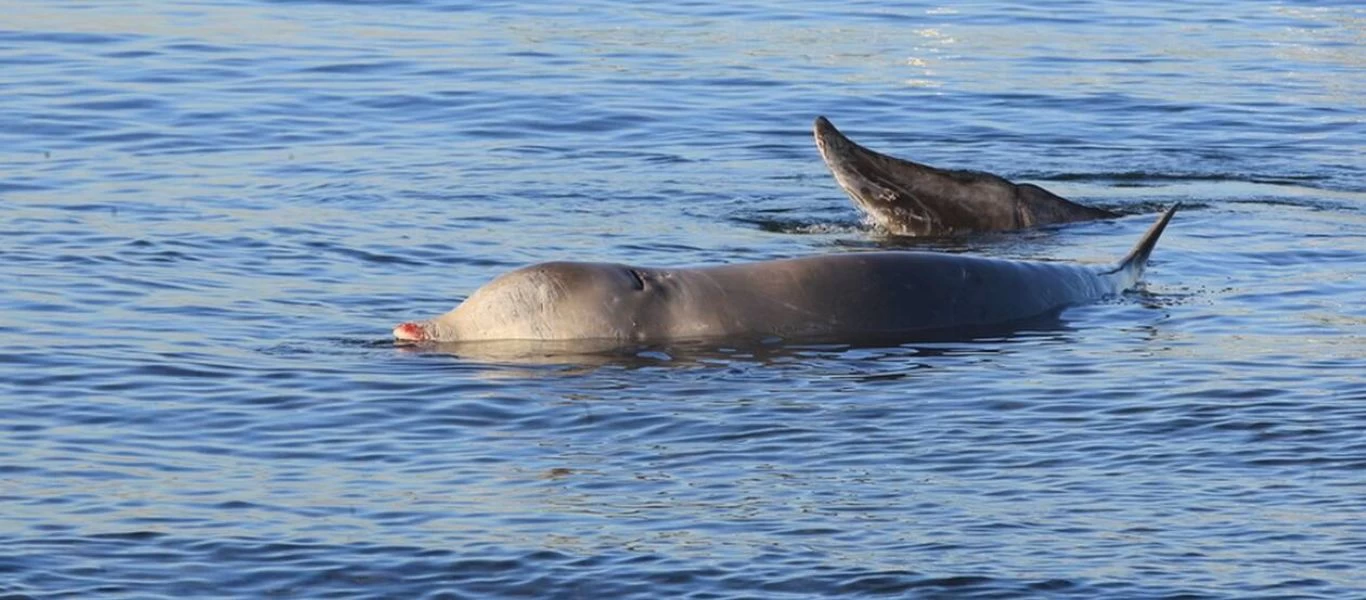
1131, 268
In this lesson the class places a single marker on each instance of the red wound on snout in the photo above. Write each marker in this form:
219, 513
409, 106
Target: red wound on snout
409, 331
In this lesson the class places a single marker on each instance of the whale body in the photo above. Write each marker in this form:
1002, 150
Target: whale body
828, 297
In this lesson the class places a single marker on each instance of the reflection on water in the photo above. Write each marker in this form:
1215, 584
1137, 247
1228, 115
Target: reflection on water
589, 353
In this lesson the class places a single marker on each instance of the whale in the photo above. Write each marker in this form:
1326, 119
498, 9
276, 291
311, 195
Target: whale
907, 198
828, 297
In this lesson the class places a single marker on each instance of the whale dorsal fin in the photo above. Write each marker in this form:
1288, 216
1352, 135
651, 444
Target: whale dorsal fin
1132, 265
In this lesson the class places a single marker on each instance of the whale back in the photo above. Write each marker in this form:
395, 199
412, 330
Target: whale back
865, 293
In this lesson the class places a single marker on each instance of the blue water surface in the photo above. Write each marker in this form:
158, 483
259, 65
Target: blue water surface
213, 212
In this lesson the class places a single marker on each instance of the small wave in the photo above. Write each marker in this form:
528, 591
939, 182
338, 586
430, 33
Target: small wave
355, 68
1155, 179
364, 255
802, 226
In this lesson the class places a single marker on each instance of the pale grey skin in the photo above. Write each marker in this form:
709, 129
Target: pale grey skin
829, 297
907, 198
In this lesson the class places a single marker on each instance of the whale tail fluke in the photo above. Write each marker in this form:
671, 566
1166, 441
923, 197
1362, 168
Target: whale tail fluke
1131, 267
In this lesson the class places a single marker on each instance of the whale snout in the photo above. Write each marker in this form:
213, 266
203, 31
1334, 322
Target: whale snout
410, 332
826, 134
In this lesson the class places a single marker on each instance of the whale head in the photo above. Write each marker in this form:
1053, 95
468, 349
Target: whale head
903, 197
547, 301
